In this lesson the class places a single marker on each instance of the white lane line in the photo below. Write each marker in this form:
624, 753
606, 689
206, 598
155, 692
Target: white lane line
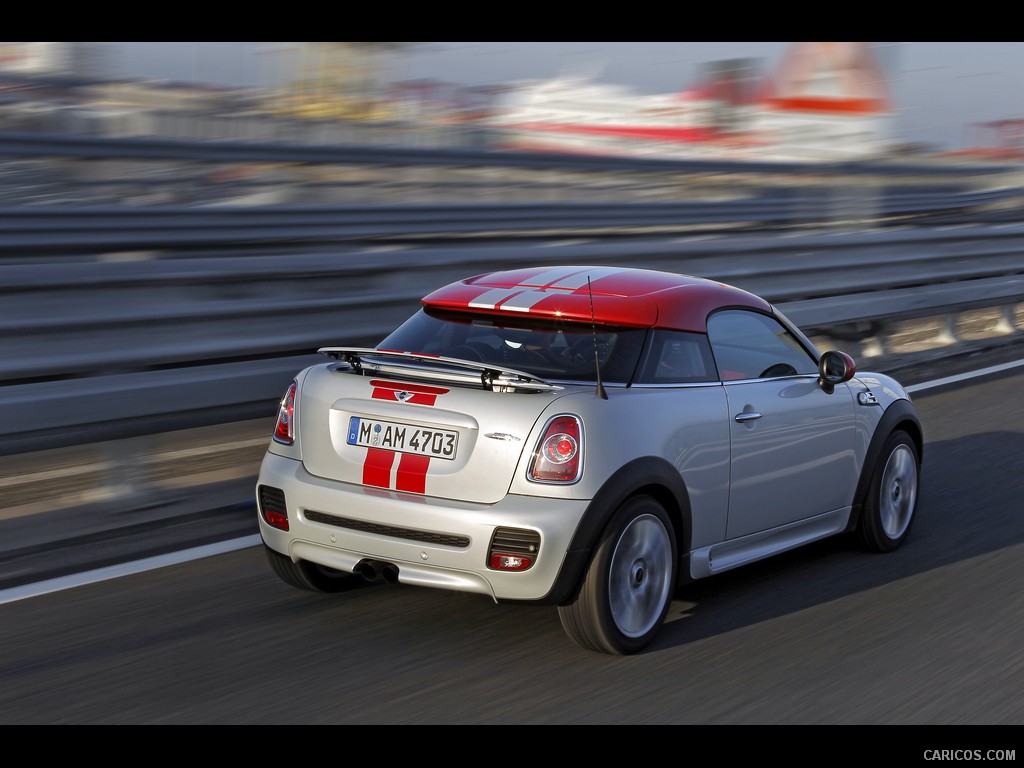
963, 376
126, 569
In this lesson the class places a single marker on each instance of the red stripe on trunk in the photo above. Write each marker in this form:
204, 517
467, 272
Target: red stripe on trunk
412, 473
377, 467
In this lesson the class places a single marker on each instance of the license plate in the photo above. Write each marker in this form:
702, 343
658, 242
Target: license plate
439, 443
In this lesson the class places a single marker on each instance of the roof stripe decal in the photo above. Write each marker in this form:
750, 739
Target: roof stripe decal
579, 280
516, 299
524, 301
551, 277
490, 299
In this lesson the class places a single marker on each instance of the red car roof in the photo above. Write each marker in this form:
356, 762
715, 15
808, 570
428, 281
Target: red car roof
619, 296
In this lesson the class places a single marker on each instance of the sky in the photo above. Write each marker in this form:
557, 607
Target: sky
942, 90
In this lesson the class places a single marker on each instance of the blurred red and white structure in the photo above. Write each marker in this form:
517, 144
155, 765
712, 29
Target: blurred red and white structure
824, 101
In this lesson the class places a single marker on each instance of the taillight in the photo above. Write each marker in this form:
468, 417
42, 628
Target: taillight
284, 431
502, 562
559, 454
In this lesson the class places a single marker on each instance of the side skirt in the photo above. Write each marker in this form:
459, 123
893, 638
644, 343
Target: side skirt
727, 555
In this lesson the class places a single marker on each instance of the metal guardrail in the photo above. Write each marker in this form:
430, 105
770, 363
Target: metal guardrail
100, 349
26, 232
117, 321
50, 169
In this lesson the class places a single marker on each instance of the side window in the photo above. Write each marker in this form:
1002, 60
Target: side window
678, 357
749, 345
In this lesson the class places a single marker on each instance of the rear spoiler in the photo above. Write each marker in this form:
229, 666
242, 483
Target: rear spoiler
437, 368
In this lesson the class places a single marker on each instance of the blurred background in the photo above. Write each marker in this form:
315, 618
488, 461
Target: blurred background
764, 101
789, 102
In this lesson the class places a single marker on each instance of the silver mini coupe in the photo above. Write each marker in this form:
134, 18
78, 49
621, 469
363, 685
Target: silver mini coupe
584, 437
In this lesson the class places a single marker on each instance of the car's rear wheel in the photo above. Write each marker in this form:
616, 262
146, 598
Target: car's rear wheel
891, 502
310, 576
629, 584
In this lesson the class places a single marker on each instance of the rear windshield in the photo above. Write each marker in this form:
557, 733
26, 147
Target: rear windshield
548, 349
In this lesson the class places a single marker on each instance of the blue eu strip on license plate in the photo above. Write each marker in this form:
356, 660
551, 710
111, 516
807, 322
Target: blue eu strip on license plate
404, 438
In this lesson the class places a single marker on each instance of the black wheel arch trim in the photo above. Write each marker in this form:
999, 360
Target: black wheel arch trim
899, 415
651, 475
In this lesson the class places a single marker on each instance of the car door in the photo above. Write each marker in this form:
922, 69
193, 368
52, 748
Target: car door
792, 445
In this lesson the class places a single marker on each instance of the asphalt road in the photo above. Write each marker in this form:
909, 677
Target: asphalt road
932, 634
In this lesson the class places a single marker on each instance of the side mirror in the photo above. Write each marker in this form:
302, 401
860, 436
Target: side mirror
835, 368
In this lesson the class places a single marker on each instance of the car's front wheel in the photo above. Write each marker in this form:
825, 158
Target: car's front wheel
628, 587
891, 501
310, 576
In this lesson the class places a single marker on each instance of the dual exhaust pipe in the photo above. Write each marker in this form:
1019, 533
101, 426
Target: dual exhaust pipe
377, 570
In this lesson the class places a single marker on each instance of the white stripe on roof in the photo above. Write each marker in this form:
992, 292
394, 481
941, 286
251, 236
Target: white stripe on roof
490, 299
525, 301
580, 280
552, 276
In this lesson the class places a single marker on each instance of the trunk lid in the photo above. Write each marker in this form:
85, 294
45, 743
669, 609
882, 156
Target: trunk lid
435, 427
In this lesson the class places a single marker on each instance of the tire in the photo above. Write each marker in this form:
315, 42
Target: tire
630, 582
310, 576
891, 503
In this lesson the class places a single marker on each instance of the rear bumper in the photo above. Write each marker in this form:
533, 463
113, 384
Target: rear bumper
432, 542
